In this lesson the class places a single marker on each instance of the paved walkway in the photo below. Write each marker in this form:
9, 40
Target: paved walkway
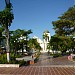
45, 66
46, 60
26, 58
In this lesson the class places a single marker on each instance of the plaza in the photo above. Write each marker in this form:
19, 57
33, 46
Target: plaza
51, 51
46, 65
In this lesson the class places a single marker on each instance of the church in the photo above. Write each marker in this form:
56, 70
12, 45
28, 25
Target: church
43, 43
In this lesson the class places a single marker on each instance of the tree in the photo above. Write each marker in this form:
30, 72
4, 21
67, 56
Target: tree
19, 38
45, 35
66, 23
33, 44
6, 17
60, 43
24, 39
65, 29
1, 36
54, 43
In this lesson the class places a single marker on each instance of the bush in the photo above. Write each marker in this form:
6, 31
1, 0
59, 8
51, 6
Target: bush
74, 58
3, 59
57, 55
37, 56
22, 62
36, 59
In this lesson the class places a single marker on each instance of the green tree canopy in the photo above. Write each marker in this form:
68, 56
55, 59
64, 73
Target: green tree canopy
6, 17
65, 29
34, 44
66, 23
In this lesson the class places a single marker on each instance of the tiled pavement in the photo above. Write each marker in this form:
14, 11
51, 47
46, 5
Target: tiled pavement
38, 71
45, 66
46, 60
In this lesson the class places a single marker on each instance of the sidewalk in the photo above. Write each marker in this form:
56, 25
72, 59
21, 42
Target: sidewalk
46, 60
45, 66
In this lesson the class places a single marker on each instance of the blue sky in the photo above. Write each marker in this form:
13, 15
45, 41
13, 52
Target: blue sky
37, 15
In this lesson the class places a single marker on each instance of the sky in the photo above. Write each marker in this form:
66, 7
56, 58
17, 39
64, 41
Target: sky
37, 15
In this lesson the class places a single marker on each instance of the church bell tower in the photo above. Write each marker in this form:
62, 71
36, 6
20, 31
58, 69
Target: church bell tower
46, 39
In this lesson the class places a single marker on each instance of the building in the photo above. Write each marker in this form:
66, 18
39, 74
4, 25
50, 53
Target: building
43, 43
46, 39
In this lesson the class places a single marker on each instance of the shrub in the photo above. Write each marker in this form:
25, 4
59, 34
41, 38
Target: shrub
57, 55
22, 62
3, 59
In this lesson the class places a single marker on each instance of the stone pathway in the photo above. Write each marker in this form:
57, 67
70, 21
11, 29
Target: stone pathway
45, 66
46, 60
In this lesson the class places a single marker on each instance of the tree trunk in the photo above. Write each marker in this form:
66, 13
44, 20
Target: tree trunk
7, 44
22, 49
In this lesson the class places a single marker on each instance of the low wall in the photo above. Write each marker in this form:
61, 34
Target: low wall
9, 65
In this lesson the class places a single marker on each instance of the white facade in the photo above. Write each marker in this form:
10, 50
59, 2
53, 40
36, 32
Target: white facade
39, 41
46, 39
43, 43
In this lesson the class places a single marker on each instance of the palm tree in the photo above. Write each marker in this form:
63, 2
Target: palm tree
46, 36
33, 44
6, 17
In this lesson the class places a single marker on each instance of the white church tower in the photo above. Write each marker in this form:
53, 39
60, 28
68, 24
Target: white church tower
46, 39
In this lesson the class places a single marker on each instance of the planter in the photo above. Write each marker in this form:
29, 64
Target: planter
9, 65
31, 62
